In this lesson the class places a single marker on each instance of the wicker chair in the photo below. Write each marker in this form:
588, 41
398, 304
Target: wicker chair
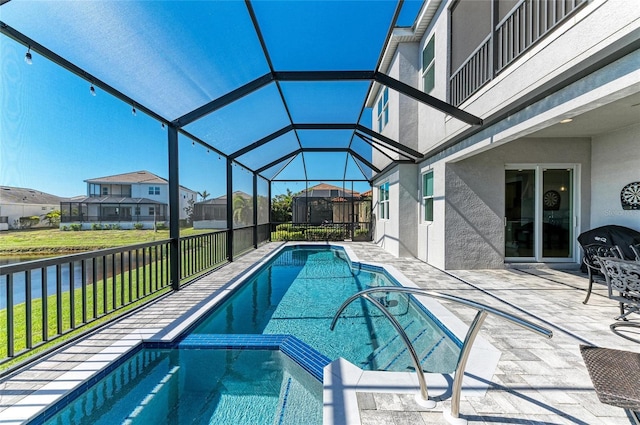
614, 374
591, 253
636, 250
623, 282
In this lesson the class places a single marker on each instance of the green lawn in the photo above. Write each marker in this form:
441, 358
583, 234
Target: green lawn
45, 241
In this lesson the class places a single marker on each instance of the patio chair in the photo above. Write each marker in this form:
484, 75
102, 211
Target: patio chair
623, 283
591, 253
614, 374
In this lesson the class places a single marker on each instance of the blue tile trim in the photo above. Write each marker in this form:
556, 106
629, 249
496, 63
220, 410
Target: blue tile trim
284, 402
309, 359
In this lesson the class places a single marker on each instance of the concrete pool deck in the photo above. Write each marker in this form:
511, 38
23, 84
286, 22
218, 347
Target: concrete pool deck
537, 380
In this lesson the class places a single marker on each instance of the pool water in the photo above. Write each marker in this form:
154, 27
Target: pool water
299, 292
200, 386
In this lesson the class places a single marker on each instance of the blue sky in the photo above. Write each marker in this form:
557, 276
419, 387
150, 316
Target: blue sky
54, 134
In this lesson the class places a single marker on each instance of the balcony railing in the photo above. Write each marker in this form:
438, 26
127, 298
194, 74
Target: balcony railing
524, 26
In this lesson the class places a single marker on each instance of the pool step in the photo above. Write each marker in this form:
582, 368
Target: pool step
393, 355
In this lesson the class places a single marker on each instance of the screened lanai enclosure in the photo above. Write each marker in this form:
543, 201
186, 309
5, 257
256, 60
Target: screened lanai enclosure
244, 104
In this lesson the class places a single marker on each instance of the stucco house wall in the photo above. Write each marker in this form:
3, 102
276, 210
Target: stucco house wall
615, 163
474, 206
397, 234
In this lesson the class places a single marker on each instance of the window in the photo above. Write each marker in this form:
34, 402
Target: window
428, 66
105, 190
427, 196
154, 190
383, 109
137, 211
152, 211
384, 201
94, 189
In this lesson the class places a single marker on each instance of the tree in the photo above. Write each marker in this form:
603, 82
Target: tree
204, 194
242, 210
189, 211
281, 207
53, 218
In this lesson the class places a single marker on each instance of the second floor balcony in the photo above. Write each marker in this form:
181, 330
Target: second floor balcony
500, 34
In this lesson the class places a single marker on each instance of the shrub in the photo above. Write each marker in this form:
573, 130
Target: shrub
28, 222
96, 226
65, 228
76, 227
138, 226
362, 232
289, 227
161, 226
325, 234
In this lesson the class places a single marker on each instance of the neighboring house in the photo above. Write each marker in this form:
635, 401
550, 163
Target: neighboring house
212, 213
16, 202
325, 203
557, 85
123, 200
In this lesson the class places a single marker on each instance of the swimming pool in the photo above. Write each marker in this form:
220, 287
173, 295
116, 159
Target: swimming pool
300, 290
258, 356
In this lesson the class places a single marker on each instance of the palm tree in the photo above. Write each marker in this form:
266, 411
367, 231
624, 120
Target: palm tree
204, 194
242, 210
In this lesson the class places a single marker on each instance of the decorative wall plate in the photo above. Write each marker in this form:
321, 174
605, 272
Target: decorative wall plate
551, 200
630, 196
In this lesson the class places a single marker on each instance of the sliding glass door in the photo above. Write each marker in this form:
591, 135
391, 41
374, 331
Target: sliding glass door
539, 213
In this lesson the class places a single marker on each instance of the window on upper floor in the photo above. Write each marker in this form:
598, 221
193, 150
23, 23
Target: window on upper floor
427, 196
428, 65
154, 190
383, 206
383, 109
105, 190
94, 189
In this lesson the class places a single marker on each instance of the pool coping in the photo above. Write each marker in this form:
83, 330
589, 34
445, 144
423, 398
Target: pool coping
338, 374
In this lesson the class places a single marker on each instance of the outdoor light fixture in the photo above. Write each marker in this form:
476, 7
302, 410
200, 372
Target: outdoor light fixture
92, 90
27, 57
162, 124
133, 111
566, 120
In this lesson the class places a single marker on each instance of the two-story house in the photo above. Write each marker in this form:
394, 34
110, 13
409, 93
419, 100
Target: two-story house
125, 199
557, 85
